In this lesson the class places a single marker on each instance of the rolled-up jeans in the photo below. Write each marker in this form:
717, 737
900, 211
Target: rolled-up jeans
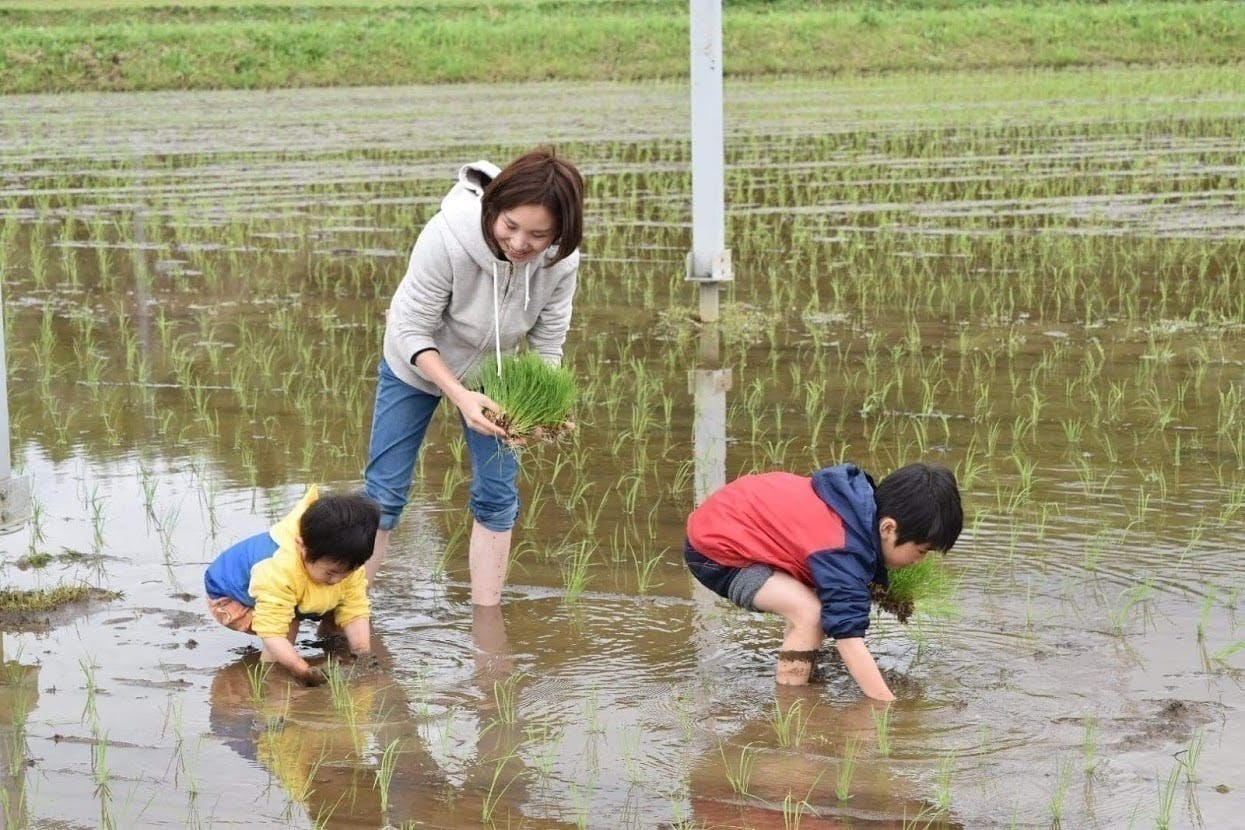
399, 422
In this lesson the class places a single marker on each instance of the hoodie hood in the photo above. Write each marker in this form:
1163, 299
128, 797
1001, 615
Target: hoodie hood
461, 207
848, 491
459, 298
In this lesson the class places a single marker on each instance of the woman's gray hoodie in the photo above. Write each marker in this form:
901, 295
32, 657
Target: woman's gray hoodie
457, 296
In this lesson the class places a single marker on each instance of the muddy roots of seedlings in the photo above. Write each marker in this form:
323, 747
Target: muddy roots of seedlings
522, 437
901, 608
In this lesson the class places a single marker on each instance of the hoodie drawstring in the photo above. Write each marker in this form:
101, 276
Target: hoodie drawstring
496, 322
527, 295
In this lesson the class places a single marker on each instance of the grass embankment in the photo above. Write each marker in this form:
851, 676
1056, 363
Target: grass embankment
188, 44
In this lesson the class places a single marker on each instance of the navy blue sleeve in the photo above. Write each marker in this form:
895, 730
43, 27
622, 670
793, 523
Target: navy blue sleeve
841, 579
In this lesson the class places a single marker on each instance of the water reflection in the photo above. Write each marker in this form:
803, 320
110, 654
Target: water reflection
810, 763
19, 692
350, 759
709, 384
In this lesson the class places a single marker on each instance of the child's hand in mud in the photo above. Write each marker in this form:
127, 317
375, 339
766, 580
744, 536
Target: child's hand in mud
311, 676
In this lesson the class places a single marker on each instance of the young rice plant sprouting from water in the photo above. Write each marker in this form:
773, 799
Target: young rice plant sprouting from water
740, 775
847, 770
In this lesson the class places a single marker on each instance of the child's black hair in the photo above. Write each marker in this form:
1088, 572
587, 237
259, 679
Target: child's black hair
924, 501
340, 528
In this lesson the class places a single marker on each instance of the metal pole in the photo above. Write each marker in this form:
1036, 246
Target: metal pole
709, 262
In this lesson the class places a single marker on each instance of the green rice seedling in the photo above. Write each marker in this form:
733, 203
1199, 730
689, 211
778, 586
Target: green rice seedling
543, 742
644, 570
629, 749
504, 695
592, 711
1089, 745
847, 769
257, 679
581, 798
89, 710
492, 798
923, 820
384, 774
1227, 651
790, 726
1191, 755
535, 397
1063, 776
575, 569
794, 810
739, 776
926, 587
882, 727
13, 810
1167, 799
942, 793
338, 681
1131, 599
100, 776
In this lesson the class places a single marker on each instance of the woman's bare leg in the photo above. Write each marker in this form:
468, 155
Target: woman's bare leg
379, 549
488, 554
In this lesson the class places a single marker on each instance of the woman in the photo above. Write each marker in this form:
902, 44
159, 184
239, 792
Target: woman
496, 266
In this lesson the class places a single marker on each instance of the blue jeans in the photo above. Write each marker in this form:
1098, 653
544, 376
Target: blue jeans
399, 422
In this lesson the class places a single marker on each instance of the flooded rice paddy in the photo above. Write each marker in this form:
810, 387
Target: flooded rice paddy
1036, 278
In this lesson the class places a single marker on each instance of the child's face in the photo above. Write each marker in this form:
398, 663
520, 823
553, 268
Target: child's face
899, 556
326, 571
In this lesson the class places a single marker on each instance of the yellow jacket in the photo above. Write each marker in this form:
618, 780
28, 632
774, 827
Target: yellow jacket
281, 587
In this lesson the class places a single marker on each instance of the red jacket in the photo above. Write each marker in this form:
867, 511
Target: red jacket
773, 518
821, 530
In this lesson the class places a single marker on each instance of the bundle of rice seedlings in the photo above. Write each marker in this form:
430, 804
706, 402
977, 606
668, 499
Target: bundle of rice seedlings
535, 398
927, 588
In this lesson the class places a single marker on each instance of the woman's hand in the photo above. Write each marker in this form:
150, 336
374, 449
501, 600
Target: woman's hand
472, 405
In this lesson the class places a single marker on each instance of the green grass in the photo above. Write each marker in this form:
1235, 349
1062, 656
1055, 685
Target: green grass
44, 599
532, 394
93, 45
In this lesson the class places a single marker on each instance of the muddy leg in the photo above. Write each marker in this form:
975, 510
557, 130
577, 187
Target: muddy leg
799, 606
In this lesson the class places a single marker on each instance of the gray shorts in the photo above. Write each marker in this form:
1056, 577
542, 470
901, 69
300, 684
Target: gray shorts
739, 585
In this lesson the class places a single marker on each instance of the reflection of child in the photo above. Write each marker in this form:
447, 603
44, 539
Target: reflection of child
808, 549
305, 566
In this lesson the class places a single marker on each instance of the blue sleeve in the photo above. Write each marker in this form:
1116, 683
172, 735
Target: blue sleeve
841, 579
229, 575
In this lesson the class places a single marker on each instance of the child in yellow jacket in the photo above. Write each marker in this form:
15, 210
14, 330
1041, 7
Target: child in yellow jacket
306, 566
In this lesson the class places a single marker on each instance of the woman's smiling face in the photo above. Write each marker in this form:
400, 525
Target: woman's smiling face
524, 232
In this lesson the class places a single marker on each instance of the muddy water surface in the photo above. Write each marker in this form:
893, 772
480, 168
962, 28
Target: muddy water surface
1036, 279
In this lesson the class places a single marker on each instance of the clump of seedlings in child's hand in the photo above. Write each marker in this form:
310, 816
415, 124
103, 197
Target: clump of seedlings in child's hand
535, 398
926, 587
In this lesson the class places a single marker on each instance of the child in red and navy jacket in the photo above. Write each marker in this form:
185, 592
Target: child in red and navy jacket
808, 548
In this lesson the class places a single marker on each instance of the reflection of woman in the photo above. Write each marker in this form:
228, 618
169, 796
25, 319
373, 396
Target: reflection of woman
496, 266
